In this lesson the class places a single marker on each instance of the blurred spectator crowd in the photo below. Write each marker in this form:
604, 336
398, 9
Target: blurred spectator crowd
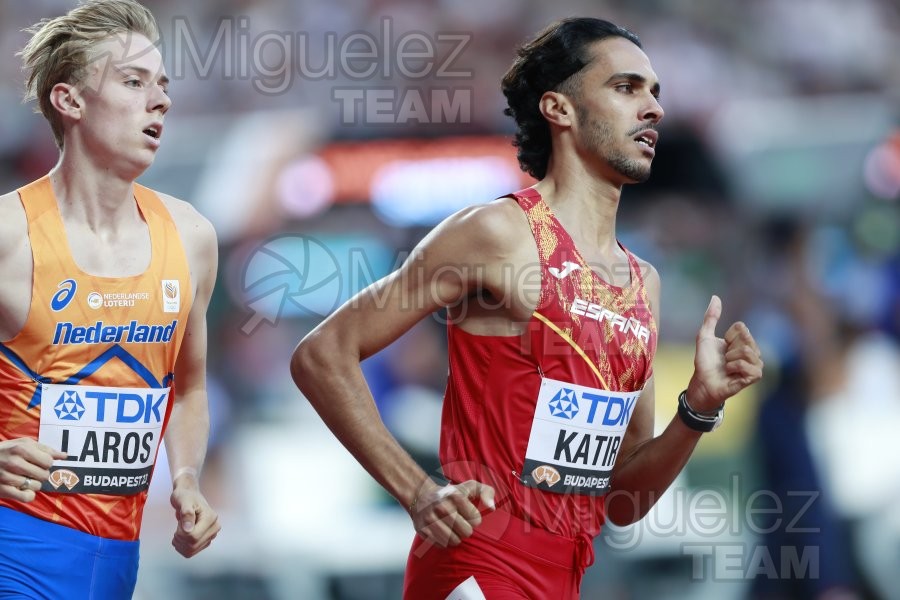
776, 186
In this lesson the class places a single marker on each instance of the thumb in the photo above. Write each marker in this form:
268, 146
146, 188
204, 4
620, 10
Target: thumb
53, 452
487, 496
483, 492
711, 318
186, 518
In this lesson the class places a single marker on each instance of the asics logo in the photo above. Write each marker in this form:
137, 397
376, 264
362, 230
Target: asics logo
568, 267
62, 298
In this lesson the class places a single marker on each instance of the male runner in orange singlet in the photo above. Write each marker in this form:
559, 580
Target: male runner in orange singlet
548, 413
106, 285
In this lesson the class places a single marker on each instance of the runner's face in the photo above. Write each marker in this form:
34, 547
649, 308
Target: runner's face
617, 110
125, 100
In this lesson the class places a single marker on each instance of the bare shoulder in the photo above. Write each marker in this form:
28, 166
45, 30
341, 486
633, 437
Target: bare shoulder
652, 283
195, 229
200, 244
649, 273
15, 264
491, 230
13, 224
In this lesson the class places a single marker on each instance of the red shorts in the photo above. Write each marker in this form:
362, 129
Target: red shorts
505, 559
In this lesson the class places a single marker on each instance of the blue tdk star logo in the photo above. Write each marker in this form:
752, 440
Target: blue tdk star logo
69, 407
564, 404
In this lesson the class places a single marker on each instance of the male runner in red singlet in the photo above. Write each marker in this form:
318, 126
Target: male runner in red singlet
106, 285
547, 426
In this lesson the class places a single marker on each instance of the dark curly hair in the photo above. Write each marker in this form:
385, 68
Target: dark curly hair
546, 64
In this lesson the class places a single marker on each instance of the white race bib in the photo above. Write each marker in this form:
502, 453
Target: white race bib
575, 437
110, 434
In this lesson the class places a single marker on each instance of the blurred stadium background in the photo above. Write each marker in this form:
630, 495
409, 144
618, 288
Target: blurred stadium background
322, 159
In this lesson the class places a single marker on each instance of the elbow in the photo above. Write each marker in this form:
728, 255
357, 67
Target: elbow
623, 518
307, 361
626, 508
319, 362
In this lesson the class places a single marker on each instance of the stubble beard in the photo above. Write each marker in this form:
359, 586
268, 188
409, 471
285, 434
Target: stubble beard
599, 139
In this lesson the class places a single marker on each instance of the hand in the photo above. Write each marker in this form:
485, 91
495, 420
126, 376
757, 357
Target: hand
722, 367
24, 467
446, 515
198, 523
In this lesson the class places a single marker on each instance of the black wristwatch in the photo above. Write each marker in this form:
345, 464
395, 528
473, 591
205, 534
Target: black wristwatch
698, 421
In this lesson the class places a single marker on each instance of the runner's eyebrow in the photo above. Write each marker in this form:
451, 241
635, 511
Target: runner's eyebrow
144, 72
636, 78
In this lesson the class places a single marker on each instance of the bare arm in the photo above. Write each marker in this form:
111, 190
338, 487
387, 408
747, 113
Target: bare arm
325, 366
188, 428
24, 463
16, 266
649, 466
722, 367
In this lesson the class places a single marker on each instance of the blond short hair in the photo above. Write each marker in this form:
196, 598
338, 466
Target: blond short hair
59, 48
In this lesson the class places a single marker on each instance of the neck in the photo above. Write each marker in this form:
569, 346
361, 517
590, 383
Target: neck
585, 203
91, 193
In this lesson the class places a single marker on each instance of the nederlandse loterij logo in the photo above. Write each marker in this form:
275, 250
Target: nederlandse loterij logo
95, 300
69, 407
564, 404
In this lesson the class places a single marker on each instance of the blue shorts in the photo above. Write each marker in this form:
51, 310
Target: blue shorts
40, 560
